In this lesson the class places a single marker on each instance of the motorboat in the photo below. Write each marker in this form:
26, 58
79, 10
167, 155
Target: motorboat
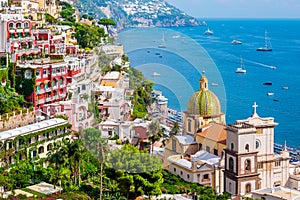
155, 74
285, 87
236, 42
268, 46
268, 83
214, 84
270, 94
241, 68
208, 32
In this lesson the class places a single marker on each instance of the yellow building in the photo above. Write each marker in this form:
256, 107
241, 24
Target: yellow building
111, 79
212, 138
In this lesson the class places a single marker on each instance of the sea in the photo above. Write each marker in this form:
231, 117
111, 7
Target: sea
179, 56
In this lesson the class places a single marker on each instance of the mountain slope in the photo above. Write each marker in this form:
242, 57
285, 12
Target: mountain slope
137, 13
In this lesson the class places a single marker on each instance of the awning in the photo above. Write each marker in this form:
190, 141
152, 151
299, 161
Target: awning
38, 83
46, 81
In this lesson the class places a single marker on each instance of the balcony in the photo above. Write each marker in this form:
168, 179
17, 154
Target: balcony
27, 51
48, 89
40, 101
22, 39
41, 91
48, 99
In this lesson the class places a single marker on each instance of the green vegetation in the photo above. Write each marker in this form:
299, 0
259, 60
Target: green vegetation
175, 185
107, 22
143, 88
88, 36
50, 19
67, 12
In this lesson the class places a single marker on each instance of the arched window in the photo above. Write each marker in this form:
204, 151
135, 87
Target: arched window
41, 149
26, 24
247, 147
247, 164
18, 25
49, 147
230, 164
231, 146
248, 188
189, 125
11, 25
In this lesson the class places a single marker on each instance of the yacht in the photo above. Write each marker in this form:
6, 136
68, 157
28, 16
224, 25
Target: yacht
241, 68
208, 32
268, 46
236, 42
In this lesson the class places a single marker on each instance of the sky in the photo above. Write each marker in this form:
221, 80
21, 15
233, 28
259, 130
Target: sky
239, 8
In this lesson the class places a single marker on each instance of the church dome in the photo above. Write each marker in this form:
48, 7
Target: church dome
204, 102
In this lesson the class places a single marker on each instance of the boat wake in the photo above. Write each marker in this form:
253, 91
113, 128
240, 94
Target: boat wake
261, 64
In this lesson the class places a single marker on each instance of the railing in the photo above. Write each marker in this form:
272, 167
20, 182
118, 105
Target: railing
40, 101
48, 89
48, 99
23, 39
41, 91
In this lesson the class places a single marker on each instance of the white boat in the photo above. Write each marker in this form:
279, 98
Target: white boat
208, 32
270, 94
285, 87
236, 42
241, 68
155, 74
214, 84
268, 46
163, 42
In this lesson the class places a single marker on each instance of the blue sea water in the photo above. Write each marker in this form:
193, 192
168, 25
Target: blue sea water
188, 52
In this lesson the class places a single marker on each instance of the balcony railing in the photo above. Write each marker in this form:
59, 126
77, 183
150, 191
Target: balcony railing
40, 101
48, 99
21, 39
41, 91
48, 89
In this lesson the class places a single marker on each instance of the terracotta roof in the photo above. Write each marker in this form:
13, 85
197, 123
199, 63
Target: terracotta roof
214, 131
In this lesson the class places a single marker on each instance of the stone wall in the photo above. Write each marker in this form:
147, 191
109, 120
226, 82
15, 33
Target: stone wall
16, 119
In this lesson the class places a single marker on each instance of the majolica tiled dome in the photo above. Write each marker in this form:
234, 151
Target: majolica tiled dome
204, 102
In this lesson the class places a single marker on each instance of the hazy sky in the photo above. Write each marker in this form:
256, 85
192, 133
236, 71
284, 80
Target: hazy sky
239, 8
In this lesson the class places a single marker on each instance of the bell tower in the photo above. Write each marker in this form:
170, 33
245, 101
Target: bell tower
240, 174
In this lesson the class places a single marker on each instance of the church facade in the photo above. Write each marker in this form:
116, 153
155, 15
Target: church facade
245, 150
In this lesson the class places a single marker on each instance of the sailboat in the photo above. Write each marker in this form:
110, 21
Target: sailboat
268, 46
163, 43
241, 69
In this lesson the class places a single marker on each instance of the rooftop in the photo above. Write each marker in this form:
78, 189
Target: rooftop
185, 139
112, 76
215, 132
279, 193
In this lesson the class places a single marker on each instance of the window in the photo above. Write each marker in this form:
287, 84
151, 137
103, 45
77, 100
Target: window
206, 176
38, 73
174, 145
248, 188
26, 25
41, 149
230, 164
11, 25
216, 152
181, 172
230, 187
188, 176
247, 147
257, 143
83, 87
189, 125
18, 25
231, 146
200, 146
207, 148
174, 169
247, 164
277, 163
259, 165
